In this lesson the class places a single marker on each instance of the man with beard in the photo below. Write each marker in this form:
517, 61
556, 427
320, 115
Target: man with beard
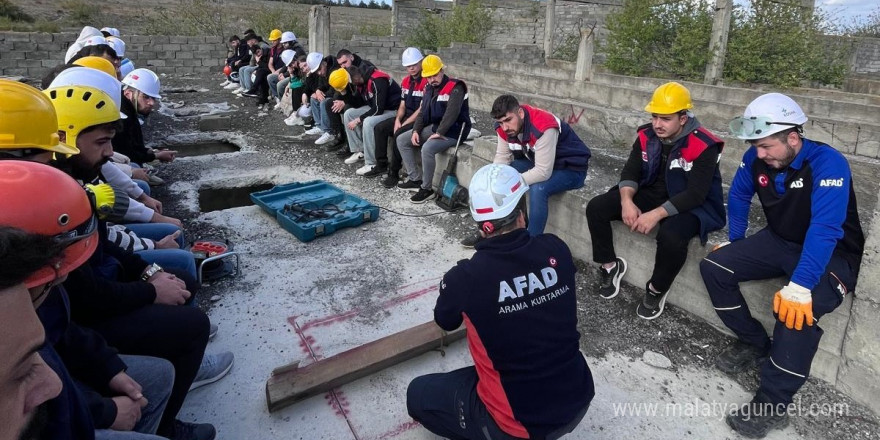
813, 238
140, 97
670, 182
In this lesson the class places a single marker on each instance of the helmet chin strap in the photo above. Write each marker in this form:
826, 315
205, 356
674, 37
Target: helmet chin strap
491, 226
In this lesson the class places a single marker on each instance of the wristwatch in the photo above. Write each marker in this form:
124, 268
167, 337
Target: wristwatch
153, 269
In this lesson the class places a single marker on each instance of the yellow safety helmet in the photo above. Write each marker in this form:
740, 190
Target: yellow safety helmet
670, 98
28, 120
81, 107
431, 65
275, 35
98, 63
339, 78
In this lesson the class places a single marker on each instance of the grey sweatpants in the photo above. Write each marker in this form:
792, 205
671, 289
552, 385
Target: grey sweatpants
430, 148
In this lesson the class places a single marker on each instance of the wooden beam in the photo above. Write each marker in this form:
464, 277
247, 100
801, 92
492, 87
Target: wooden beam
290, 384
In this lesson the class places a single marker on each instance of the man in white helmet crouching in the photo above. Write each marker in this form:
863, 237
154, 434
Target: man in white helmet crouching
517, 298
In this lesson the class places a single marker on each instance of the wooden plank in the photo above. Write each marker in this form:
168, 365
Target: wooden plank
290, 384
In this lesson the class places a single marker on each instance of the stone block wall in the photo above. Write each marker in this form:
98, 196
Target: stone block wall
33, 54
572, 15
866, 56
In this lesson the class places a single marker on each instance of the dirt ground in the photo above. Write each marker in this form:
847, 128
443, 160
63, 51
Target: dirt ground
381, 275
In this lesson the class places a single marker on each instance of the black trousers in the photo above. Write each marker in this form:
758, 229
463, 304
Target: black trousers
673, 233
261, 84
385, 135
178, 334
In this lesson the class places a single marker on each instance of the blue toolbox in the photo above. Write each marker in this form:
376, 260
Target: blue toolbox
312, 209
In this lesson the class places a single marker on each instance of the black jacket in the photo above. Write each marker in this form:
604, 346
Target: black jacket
130, 141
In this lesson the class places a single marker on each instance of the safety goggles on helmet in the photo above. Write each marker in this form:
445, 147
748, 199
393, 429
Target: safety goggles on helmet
81, 232
756, 127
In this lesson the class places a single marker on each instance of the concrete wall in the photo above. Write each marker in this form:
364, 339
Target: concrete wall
33, 54
866, 56
572, 15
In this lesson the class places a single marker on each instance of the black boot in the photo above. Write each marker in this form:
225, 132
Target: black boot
758, 417
740, 356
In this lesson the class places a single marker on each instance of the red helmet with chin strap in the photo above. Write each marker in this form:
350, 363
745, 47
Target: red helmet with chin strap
43, 200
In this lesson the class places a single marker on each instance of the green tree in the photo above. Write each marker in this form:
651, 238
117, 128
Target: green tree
654, 38
772, 42
464, 24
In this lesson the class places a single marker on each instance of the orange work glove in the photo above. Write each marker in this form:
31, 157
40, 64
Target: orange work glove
794, 305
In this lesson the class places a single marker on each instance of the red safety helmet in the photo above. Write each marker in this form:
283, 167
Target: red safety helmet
227, 70
43, 200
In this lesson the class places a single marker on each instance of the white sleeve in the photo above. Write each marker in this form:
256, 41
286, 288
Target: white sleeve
117, 179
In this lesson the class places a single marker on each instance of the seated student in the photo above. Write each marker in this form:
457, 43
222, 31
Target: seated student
548, 153
398, 129
445, 116
268, 62
298, 71
97, 46
235, 61
100, 389
671, 182
86, 33
345, 96
317, 89
529, 378
254, 42
382, 97
279, 79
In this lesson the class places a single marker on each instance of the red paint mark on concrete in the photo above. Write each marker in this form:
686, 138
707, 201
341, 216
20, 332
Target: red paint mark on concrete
400, 429
572, 119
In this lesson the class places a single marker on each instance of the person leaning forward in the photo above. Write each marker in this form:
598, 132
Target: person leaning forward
670, 182
517, 298
813, 237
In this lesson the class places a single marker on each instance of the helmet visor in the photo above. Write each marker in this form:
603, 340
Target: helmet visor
83, 231
756, 127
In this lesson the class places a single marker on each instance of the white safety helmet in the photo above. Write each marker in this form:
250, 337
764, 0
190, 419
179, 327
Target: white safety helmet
287, 56
314, 61
125, 67
287, 37
112, 31
89, 31
304, 111
495, 191
94, 41
118, 45
145, 81
411, 56
768, 114
86, 76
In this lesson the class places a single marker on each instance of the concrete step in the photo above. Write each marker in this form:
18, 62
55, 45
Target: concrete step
852, 128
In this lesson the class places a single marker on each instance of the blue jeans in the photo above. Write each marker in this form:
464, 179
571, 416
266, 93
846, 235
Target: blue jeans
244, 76
179, 260
319, 114
156, 377
144, 186
273, 84
540, 192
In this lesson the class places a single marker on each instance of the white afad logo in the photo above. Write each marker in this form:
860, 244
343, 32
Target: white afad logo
797, 183
831, 182
527, 284
680, 163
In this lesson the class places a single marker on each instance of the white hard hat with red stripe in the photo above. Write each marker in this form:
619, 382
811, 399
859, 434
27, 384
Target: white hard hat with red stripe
144, 80
495, 191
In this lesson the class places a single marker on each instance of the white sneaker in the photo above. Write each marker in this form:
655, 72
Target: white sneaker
224, 83
294, 120
314, 131
239, 91
354, 158
326, 137
364, 170
232, 86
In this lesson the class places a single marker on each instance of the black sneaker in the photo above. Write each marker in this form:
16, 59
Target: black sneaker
472, 240
390, 181
757, 418
422, 196
412, 185
343, 153
376, 171
609, 285
740, 356
652, 306
193, 431
250, 94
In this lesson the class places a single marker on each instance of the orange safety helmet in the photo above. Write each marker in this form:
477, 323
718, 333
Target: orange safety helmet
43, 200
227, 70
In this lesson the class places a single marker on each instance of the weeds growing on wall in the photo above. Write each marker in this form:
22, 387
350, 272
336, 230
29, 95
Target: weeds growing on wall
464, 24
266, 18
191, 17
770, 42
81, 12
13, 18
368, 29
865, 26
654, 38
13, 12
566, 48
